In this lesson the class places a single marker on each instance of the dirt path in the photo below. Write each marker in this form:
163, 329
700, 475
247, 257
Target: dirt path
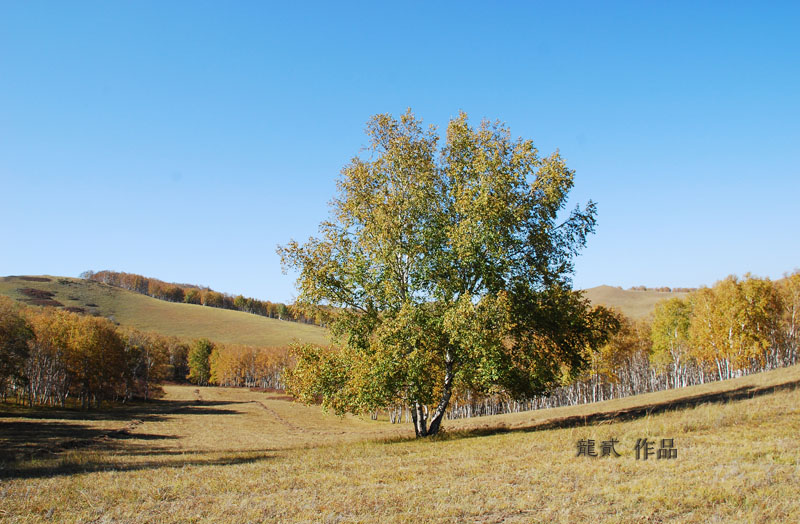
277, 417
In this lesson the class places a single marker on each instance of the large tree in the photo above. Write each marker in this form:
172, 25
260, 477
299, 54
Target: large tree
444, 268
199, 362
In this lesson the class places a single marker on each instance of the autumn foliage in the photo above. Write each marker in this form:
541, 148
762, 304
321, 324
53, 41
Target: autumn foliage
64, 358
737, 327
247, 366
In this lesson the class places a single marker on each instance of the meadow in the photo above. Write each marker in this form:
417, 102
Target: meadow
235, 455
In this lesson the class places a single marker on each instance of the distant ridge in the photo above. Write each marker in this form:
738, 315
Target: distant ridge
634, 303
194, 294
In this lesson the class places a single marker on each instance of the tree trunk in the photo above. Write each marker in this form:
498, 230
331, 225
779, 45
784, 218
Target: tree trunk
420, 420
419, 412
447, 391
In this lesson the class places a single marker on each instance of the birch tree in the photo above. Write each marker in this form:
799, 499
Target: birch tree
448, 267
670, 335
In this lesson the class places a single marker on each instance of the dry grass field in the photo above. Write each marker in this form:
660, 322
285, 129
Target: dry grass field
233, 455
168, 318
635, 304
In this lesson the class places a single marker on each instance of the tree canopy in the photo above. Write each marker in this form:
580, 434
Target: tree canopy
446, 267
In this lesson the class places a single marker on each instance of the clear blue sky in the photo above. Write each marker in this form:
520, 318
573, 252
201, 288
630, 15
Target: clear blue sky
184, 140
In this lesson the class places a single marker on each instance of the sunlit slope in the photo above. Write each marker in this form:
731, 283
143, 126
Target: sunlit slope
635, 304
149, 314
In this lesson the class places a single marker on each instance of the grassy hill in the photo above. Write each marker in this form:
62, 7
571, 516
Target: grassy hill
635, 304
168, 318
193, 321
235, 455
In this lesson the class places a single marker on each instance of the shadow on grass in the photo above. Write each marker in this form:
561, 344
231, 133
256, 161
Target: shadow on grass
600, 417
126, 460
27, 440
149, 411
28, 433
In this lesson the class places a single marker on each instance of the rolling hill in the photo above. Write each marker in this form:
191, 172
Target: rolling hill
227, 326
149, 314
635, 304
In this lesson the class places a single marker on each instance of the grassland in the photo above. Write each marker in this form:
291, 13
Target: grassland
181, 320
226, 455
635, 304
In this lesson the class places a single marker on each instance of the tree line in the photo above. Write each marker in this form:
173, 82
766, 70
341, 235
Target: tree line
735, 328
236, 365
192, 294
54, 357
663, 289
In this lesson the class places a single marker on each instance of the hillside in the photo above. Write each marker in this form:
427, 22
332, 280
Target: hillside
223, 325
237, 455
168, 318
635, 304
